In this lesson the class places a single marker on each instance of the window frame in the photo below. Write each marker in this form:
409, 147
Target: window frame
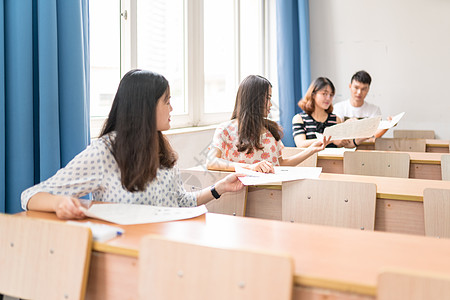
194, 56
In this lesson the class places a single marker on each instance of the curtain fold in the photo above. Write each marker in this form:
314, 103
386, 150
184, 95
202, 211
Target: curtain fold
44, 93
293, 60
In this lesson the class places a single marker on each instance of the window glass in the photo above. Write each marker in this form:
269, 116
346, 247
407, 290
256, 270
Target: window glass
219, 56
160, 44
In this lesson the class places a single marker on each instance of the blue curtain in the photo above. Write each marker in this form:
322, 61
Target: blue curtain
44, 91
293, 60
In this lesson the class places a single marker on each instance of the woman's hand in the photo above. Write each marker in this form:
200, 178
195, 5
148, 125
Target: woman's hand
69, 208
343, 143
231, 183
262, 166
319, 145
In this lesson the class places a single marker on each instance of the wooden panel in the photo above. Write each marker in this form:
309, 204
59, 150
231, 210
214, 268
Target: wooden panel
412, 285
176, 270
42, 259
331, 165
228, 203
445, 167
399, 216
112, 276
414, 134
388, 164
422, 170
263, 203
436, 204
334, 203
309, 162
408, 145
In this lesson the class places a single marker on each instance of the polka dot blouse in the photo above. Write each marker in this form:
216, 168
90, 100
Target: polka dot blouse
95, 171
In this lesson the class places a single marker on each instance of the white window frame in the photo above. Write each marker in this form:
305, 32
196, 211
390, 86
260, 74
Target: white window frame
194, 62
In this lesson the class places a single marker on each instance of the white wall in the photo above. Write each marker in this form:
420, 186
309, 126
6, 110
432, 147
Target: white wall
403, 44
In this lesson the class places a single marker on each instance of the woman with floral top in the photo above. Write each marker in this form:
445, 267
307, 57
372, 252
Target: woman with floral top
250, 139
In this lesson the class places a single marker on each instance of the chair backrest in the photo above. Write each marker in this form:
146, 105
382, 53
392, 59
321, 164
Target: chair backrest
414, 134
309, 162
412, 285
326, 202
178, 270
408, 145
390, 164
436, 206
229, 203
43, 259
445, 166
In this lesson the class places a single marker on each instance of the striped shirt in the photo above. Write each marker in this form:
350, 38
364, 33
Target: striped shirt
311, 126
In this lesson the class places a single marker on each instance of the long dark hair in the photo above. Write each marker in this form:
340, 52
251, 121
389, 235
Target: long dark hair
138, 147
308, 103
249, 109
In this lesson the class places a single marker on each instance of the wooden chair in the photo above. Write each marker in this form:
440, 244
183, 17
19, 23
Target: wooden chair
326, 202
228, 203
389, 164
414, 134
43, 259
408, 145
396, 284
445, 166
309, 162
436, 205
178, 270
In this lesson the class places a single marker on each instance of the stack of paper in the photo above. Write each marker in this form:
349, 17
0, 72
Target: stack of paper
281, 174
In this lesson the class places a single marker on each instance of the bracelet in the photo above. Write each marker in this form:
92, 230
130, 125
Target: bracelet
214, 192
354, 142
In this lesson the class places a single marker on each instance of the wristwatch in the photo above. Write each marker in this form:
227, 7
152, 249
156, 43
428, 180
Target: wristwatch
214, 192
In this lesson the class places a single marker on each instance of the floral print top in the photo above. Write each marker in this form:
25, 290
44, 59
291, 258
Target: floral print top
226, 137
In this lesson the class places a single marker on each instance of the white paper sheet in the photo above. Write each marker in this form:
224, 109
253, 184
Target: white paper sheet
364, 128
386, 124
129, 214
281, 174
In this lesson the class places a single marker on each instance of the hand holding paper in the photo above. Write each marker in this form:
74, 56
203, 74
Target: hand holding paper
364, 128
386, 124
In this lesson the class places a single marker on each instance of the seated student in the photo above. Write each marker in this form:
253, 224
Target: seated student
356, 107
250, 139
132, 161
317, 107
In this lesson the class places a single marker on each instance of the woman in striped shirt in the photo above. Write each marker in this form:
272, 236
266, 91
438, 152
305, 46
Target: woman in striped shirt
317, 115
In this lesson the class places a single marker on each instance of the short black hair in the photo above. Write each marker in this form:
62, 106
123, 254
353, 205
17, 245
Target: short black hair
362, 76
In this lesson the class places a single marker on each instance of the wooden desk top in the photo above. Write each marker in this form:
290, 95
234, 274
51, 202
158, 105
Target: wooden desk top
409, 189
430, 143
324, 257
433, 158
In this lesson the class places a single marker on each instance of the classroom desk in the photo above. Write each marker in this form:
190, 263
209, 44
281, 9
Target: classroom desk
328, 262
423, 165
433, 145
399, 206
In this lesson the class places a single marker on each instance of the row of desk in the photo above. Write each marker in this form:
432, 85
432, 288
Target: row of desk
329, 262
432, 145
423, 165
399, 206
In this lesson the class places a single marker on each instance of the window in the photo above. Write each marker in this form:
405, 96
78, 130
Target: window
203, 47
